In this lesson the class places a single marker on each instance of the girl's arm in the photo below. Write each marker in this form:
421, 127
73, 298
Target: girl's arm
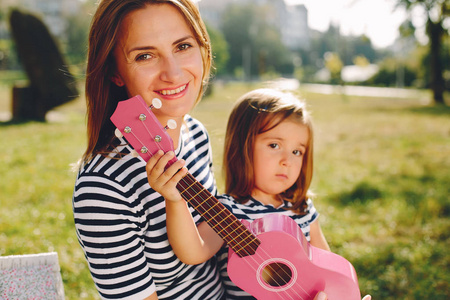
152, 297
317, 238
191, 244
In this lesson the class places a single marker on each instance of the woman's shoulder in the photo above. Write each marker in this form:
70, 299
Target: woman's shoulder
192, 123
118, 169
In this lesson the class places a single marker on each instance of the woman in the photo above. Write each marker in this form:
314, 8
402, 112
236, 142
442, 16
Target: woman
156, 49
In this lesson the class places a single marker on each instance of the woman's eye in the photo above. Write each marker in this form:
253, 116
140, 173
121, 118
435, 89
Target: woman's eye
274, 146
184, 46
143, 57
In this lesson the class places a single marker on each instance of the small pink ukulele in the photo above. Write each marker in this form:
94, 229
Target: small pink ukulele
270, 257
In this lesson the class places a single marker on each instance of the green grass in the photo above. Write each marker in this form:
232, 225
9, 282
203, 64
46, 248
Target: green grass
381, 179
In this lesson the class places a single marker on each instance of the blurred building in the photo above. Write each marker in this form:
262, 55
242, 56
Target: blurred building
54, 13
291, 20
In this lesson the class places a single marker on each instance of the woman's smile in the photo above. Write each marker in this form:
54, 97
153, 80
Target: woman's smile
172, 91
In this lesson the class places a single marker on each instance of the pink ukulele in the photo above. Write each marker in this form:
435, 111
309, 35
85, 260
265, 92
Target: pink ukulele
269, 258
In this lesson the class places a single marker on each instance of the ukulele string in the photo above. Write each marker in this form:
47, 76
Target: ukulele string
232, 225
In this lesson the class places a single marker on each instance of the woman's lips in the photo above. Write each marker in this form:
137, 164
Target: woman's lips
171, 92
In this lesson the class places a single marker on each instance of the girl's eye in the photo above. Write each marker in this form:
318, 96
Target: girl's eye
274, 146
143, 57
297, 153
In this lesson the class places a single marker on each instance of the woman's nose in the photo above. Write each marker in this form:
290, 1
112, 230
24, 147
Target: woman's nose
170, 69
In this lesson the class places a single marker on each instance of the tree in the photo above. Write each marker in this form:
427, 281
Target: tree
437, 14
77, 36
254, 43
334, 65
219, 50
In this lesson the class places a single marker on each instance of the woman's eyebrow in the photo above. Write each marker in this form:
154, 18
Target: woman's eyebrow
183, 39
141, 48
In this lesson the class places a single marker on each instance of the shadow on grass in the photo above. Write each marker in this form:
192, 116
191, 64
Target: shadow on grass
436, 110
362, 193
20, 122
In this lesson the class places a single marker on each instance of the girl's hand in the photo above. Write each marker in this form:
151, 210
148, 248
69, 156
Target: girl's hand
162, 180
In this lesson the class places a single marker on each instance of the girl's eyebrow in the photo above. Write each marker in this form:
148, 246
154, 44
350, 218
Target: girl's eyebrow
276, 138
141, 48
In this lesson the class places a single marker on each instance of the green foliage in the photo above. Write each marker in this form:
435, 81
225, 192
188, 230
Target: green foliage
346, 47
247, 30
220, 50
76, 44
389, 74
334, 64
381, 179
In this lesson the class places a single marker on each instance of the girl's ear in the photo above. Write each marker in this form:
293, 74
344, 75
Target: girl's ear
117, 80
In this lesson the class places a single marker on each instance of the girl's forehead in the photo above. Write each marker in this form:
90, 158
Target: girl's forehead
272, 120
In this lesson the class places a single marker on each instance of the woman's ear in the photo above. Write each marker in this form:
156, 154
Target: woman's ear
117, 80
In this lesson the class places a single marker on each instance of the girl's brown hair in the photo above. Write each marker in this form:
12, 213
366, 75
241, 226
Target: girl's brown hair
102, 95
256, 112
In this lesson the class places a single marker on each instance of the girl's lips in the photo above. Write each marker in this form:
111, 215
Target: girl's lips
172, 92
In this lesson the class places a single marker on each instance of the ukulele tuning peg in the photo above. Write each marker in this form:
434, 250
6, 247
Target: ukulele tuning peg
156, 103
118, 133
142, 117
171, 124
144, 149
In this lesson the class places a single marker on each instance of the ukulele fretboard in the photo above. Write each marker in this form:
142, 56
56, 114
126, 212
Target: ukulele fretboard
224, 223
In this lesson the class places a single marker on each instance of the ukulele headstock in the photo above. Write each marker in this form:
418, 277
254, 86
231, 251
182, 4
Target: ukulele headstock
140, 127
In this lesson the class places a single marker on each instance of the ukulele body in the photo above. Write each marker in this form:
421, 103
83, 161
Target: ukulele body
286, 266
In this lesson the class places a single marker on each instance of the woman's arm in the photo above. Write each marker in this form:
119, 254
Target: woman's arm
191, 244
317, 238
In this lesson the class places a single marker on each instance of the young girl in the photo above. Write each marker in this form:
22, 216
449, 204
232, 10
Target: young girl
268, 163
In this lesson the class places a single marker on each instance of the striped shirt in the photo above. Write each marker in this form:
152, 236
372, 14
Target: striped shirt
252, 210
121, 225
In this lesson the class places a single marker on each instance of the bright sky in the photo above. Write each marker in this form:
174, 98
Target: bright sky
376, 18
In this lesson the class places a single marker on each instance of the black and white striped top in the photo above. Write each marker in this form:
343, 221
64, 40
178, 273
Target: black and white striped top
252, 210
121, 225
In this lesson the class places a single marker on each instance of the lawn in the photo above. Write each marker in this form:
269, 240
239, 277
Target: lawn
381, 180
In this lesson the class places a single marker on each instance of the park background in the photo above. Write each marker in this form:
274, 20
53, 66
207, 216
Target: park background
381, 142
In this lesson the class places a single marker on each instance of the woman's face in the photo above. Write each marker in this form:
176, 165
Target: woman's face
157, 56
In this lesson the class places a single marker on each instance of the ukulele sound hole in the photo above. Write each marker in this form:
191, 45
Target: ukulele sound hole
276, 274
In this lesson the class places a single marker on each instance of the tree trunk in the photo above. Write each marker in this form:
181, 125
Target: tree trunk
435, 32
26, 104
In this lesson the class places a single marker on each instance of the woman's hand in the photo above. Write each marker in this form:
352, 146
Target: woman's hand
162, 180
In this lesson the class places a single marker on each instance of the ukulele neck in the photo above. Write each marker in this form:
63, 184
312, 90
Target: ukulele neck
218, 217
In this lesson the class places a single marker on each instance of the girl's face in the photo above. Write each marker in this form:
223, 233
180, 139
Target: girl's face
157, 56
278, 158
